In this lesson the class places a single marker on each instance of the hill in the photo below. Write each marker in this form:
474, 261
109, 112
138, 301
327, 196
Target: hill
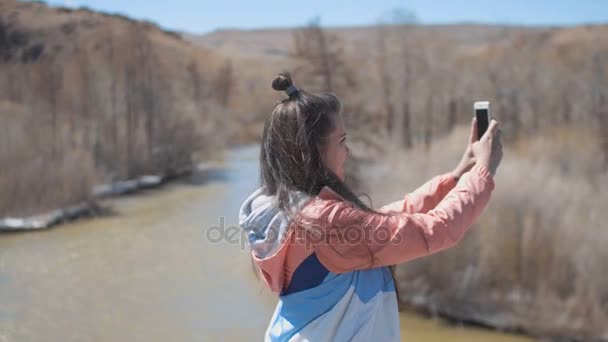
435, 71
88, 97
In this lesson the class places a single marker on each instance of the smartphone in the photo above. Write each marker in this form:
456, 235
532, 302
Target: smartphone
482, 113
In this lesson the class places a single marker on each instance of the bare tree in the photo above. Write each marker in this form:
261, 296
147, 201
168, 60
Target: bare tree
113, 92
600, 101
144, 99
198, 82
428, 122
130, 117
14, 82
384, 72
50, 83
322, 59
83, 116
406, 140
150, 91
224, 83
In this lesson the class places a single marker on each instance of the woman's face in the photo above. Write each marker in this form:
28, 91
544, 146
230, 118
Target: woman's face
335, 151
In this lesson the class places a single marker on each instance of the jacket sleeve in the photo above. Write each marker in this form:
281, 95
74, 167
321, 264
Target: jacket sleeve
347, 238
424, 198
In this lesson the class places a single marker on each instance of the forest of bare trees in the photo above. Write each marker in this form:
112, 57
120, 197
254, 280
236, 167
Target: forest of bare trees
112, 107
414, 85
519, 267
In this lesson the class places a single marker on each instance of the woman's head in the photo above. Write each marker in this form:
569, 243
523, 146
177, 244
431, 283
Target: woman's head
304, 145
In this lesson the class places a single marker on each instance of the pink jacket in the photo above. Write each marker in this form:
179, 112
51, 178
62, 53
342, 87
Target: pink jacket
430, 219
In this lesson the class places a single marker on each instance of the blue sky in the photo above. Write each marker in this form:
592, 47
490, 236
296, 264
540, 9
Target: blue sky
204, 16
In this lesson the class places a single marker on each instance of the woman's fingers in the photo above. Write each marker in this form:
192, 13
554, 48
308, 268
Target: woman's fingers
473, 135
491, 130
498, 133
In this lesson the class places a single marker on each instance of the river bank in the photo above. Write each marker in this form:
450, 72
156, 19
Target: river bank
93, 206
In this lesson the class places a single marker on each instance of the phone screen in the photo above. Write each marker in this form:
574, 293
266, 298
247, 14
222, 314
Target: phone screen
482, 122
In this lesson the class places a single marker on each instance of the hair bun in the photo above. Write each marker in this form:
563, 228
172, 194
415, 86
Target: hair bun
282, 81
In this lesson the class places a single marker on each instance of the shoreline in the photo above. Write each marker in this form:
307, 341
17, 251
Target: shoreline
92, 207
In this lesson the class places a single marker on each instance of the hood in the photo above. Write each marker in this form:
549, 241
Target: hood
264, 224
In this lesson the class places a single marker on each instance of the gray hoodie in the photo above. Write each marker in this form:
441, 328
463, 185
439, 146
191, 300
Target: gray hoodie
264, 224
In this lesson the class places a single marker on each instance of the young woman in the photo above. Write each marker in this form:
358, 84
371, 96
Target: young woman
321, 249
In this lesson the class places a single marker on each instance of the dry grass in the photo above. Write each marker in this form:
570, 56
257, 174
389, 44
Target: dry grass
536, 258
106, 99
31, 180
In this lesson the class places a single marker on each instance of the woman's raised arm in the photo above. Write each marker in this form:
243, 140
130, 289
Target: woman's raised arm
432, 192
425, 198
346, 238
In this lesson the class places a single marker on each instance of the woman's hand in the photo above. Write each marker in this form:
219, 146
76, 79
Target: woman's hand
488, 150
468, 158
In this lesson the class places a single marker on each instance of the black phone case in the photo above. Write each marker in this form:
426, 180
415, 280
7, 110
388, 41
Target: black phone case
482, 122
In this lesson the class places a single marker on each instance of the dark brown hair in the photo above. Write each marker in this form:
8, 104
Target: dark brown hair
290, 158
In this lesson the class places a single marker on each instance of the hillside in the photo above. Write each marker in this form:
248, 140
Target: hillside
259, 54
436, 69
277, 43
87, 98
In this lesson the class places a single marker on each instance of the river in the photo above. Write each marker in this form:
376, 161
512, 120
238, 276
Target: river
149, 272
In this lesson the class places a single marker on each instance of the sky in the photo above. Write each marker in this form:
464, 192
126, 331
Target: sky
201, 16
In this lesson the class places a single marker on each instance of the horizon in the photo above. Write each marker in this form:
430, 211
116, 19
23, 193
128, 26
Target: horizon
183, 15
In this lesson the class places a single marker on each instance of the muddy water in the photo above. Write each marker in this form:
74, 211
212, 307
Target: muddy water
150, 273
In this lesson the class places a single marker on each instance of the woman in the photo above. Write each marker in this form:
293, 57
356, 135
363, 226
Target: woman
324, 252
